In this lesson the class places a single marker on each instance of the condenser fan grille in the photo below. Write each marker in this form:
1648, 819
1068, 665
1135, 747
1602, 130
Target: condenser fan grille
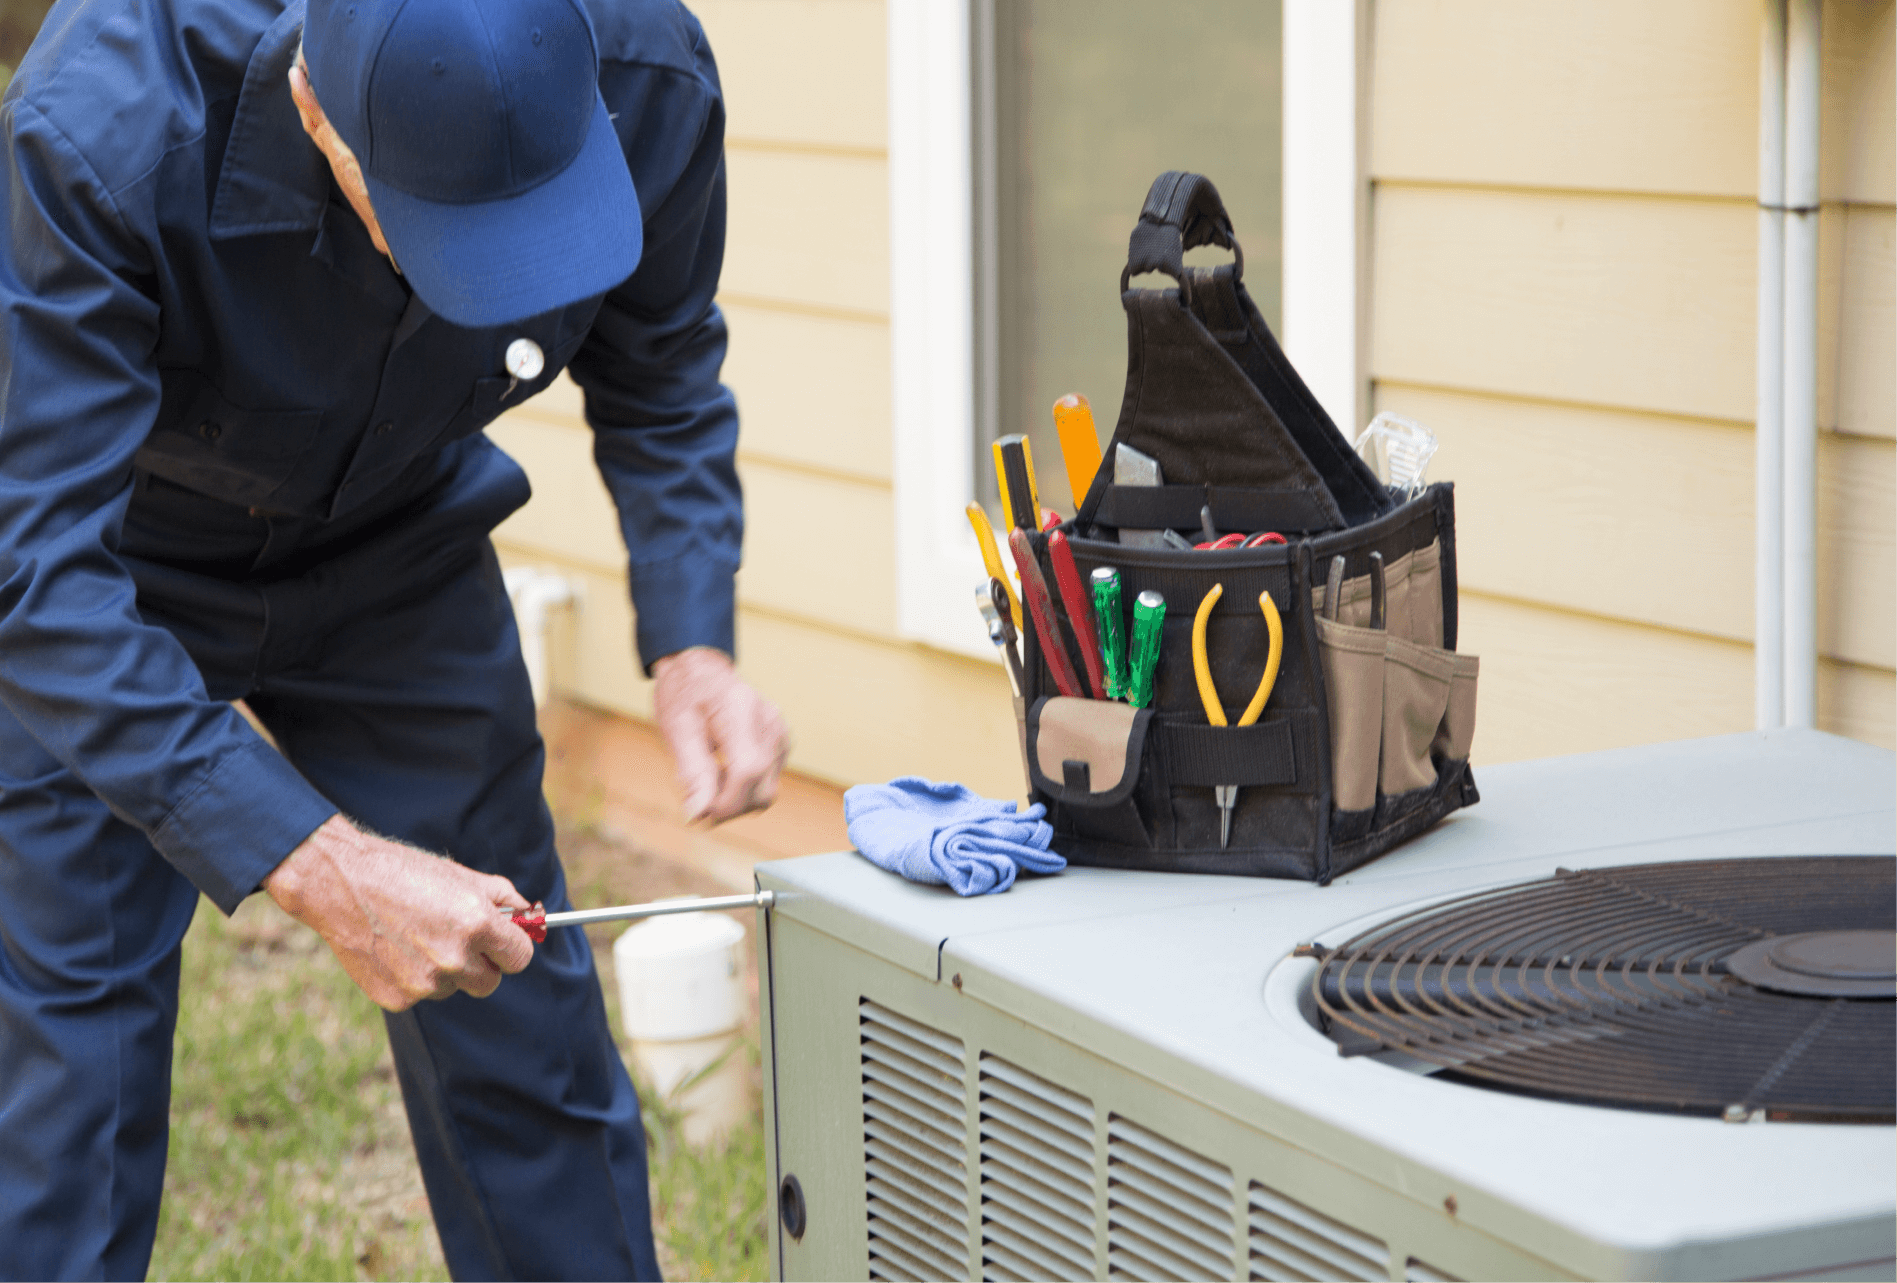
1723, 987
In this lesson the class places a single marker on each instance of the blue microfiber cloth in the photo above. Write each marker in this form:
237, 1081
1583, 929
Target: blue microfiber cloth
947, 836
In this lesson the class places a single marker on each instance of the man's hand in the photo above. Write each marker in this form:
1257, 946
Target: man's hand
728, 740
406, 924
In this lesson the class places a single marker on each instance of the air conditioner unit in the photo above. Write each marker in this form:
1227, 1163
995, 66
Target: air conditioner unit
1122, 1075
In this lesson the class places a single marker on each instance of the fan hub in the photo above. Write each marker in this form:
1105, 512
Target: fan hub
1830, 964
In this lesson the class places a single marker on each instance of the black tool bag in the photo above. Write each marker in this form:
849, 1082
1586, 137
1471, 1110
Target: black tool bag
1364, 741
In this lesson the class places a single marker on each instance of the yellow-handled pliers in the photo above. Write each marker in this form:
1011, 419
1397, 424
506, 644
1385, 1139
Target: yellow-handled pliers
1227, 794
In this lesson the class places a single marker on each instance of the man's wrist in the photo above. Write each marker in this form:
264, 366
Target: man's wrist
285, 883
666, 661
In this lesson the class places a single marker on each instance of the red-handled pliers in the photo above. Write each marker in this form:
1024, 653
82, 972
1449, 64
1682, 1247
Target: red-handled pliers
1236, 540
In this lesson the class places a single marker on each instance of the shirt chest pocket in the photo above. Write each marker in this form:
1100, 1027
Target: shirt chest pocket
491, 396
394, 444
209, 444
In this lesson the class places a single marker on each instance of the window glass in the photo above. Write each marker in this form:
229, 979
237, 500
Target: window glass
1080, 104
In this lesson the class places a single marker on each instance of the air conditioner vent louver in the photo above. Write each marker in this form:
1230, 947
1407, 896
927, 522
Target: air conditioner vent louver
1169, 1210
1037, 1202
1415, 1271
915, 1128
1291, 1241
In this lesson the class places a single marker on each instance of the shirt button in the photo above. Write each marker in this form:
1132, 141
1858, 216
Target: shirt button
524, 360
383, 429
210, 431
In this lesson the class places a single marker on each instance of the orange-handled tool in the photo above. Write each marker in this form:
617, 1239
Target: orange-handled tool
1067, 576
1079, 443
1046, 623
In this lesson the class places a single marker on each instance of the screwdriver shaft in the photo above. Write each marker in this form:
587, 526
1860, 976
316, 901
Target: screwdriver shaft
659, 908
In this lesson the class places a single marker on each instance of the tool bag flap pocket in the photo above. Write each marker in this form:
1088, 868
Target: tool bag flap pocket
1086, 752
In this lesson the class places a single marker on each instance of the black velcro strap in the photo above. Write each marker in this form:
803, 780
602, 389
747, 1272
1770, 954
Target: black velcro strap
1243, 755
1233, 508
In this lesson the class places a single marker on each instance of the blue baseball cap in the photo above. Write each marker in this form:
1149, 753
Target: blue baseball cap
486, 147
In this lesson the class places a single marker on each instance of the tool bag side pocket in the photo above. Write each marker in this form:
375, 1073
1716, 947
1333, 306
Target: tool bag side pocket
1416, 688
1457, 730
1353, 683
1088, 759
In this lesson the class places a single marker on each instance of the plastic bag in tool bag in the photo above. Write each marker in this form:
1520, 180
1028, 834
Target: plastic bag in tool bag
1364, 739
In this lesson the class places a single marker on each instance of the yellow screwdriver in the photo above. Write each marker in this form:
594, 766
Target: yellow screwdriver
1014, 473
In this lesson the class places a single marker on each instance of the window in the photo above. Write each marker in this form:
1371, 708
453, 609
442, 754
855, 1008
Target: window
970, 115
1077, 106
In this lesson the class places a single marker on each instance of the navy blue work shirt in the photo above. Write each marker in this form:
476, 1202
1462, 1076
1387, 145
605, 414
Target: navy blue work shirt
204, 361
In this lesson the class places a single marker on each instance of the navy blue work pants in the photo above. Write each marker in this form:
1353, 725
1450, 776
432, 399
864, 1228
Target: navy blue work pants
391, 677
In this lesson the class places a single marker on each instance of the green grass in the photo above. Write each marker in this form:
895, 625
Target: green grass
290, 1156
709, 1204
289, 1153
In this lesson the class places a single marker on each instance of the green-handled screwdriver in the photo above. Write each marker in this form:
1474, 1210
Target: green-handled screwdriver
1106, 610
1149, 613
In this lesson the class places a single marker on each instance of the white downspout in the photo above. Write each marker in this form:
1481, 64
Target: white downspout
1768, 590
1803, 64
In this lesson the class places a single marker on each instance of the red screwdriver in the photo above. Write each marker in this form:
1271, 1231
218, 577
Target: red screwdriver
1067, 575
1041, 606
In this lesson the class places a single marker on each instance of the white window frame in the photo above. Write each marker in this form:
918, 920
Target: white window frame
932, 277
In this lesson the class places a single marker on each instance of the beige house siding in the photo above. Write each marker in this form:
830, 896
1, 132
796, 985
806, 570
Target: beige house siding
1563, 284
1562, 272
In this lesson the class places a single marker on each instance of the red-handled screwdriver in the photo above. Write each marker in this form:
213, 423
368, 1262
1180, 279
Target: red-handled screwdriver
1041, 606
1067, 576
536, 920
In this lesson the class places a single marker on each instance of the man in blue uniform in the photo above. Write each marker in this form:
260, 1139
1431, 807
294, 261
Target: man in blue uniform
264, 276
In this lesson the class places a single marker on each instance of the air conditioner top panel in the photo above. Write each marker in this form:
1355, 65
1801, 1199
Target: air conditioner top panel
1188, 980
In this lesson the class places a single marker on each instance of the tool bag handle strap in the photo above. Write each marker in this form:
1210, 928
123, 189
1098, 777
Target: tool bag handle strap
1182, 211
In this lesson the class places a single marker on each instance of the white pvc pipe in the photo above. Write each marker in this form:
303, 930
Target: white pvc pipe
535, 593
1802, 112
1768, 592
682, 1001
